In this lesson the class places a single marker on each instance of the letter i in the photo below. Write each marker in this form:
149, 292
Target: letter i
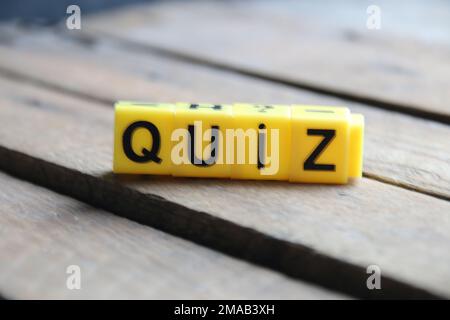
262, 136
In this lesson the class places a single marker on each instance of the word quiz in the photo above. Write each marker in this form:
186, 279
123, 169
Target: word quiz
299, 143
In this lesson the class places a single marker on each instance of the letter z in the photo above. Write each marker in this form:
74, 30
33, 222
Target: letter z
310, 163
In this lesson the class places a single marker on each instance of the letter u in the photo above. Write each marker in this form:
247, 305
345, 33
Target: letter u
214, 145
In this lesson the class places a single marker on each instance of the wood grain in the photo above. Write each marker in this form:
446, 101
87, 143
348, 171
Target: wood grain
399, 149
325, 234
43, 233
312, 46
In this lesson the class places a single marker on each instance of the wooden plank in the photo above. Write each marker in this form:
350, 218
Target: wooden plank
43, 233
326, 234
103, 71
311, 46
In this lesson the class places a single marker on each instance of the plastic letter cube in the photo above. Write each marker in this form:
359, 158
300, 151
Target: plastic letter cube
199, 140
142, 138
261, 141
326, 144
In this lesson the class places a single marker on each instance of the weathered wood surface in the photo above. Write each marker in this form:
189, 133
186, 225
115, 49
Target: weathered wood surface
326, 234
397, 147
43, 233
324, 47
62, 139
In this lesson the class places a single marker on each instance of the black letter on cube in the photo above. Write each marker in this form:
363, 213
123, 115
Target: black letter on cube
310, 163
147, 156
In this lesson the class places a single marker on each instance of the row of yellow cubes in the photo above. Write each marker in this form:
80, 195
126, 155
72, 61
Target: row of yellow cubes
241, 141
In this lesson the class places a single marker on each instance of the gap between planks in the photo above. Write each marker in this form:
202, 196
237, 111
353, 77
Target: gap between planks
409, 187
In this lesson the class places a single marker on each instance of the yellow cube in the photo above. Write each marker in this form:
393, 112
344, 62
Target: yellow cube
142, 138
260, 142
320, 144
198, 142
